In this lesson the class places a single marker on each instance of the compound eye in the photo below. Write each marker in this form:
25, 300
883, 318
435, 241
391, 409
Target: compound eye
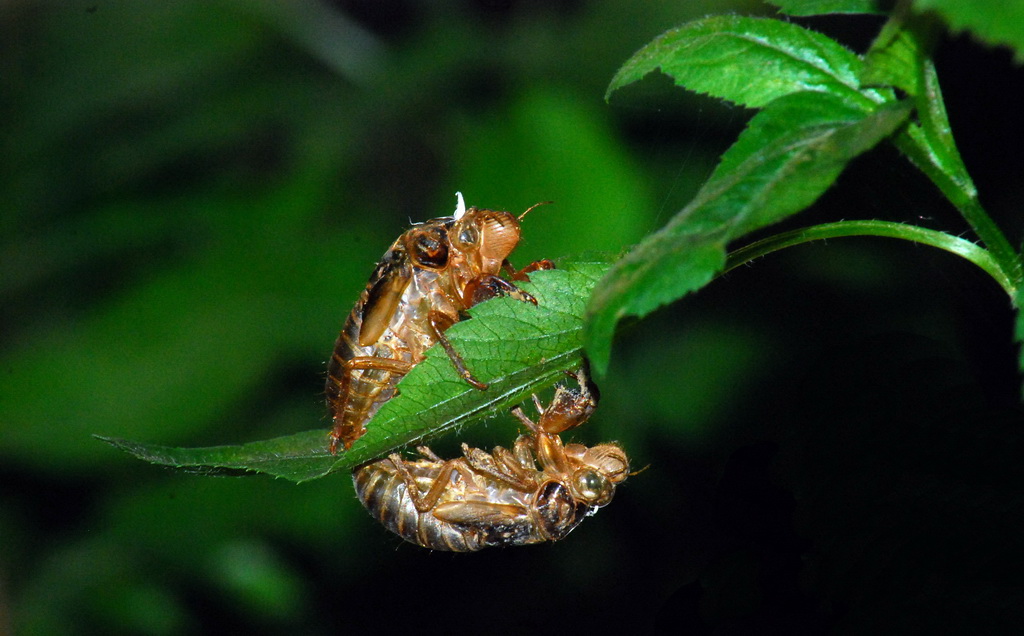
592, 487
466, 233
469, 235
429, 250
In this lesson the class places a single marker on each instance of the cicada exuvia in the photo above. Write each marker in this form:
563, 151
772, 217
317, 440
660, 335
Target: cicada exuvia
423, 285
538, 491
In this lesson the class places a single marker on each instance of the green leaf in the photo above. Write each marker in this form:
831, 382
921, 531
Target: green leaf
790, 153
299, 457
516, 347
750, 61
819, 7
899, 52
996, 22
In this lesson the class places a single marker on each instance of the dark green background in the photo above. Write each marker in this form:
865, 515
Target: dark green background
194, 194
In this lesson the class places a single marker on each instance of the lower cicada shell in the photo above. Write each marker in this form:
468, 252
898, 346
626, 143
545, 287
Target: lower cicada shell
423, 285
538, 491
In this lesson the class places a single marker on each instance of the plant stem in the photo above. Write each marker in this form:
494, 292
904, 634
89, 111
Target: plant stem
955, 245
900, 57
931, 148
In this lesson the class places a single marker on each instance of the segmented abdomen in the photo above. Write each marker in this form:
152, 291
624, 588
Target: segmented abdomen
367, 389
405, 340
548, 514
382, 492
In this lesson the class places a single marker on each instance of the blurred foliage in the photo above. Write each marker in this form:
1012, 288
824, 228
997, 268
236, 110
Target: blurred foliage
995, 23
195, 193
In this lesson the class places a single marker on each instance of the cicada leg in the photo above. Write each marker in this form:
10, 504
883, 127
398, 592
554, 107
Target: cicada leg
483, 287
438, 322
487, 286
425, 502
569, 407
512, 463
522, 417
342, 429
547, 447
522, 274
523, 451
500, 466
428, 454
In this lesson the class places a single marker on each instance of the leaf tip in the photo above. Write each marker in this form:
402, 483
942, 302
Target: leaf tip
116, 442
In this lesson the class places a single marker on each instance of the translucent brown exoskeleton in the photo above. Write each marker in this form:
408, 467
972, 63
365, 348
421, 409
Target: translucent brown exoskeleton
423, 285
538, 491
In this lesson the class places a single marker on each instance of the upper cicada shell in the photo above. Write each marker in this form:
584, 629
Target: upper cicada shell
422, 285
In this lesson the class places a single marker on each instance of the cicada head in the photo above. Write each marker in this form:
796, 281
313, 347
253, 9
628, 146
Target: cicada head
598, 470
485, 238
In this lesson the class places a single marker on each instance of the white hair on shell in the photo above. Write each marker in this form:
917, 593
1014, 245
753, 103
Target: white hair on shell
460, 206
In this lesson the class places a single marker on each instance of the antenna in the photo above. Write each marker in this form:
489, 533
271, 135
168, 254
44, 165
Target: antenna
535, 205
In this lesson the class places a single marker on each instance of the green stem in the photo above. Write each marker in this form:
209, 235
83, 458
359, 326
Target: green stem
900, 57
931, 148
955, 245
